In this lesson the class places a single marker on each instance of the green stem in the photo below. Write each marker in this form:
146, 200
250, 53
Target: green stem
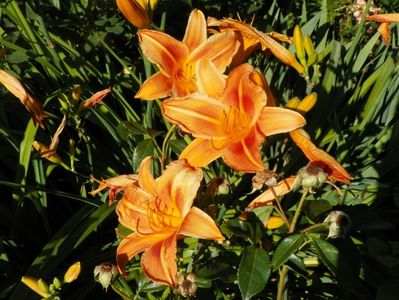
284, 271
165, 144
297, 212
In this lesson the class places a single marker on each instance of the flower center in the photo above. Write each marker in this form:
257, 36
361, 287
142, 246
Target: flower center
161, 216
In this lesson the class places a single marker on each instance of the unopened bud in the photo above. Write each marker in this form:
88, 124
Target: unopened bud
72, 273
105, 274
57, 283
293, 103
76, 93
134, 12
310, 51
43, 285
307, 103
339, 224
311, 262
299, 45
33, 284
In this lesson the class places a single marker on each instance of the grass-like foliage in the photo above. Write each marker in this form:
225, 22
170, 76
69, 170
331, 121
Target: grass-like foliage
273, 138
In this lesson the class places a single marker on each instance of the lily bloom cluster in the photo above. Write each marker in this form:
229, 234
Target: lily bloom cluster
227, 106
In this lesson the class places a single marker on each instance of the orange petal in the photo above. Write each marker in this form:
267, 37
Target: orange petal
385, 32
94, 99
134, 244
200, 153
283, 187
162, 49
197, 114
199, 225
15, 87
245, 155
195, 30
156, 86
146, 180
384, 18
244, 93
320, 157
185, 187
171, 187
159, 262
132, 209
274, 120
210, 80
219, 49
134, 13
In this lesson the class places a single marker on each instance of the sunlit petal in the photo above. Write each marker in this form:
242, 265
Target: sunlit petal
198, 114
134, 12
274, 120
244, 155
156, 86
195, 30
146, 180
132, 209
210, 80
200, 153
159, 262
184, 188
219, 49
385, 32
244, 93
198, 224
283, 187
134, 244
162, 49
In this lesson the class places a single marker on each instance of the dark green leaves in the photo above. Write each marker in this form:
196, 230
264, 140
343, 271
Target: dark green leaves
254, 271
286, 247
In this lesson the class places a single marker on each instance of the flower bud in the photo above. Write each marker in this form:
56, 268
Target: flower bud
134, 12
299, 45
33, 284
105, 274
307, 103
43, 286
293, 103
311, 262
57, 283
309, 48
339, 224
72, 273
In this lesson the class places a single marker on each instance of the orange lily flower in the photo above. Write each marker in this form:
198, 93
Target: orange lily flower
160, 211
177, 60
319, 157
229, 118
250, 39
385, 20
115, 185
32, 105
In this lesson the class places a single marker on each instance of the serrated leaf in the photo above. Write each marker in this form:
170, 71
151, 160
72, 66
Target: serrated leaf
327, 253
254, 271
285, 248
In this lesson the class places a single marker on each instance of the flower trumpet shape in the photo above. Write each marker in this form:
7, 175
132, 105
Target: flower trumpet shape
229, 118
384, 28
177, 60
160, 211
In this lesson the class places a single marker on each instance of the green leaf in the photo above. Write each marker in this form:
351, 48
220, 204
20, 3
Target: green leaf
327, 253
364, 53
285, 248
254, 271
144, 148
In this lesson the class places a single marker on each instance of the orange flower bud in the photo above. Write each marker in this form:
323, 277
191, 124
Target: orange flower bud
274, 222
72, 273
33, 284
134, 12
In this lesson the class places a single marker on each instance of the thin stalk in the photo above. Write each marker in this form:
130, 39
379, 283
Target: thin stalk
284, 271
165, 145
